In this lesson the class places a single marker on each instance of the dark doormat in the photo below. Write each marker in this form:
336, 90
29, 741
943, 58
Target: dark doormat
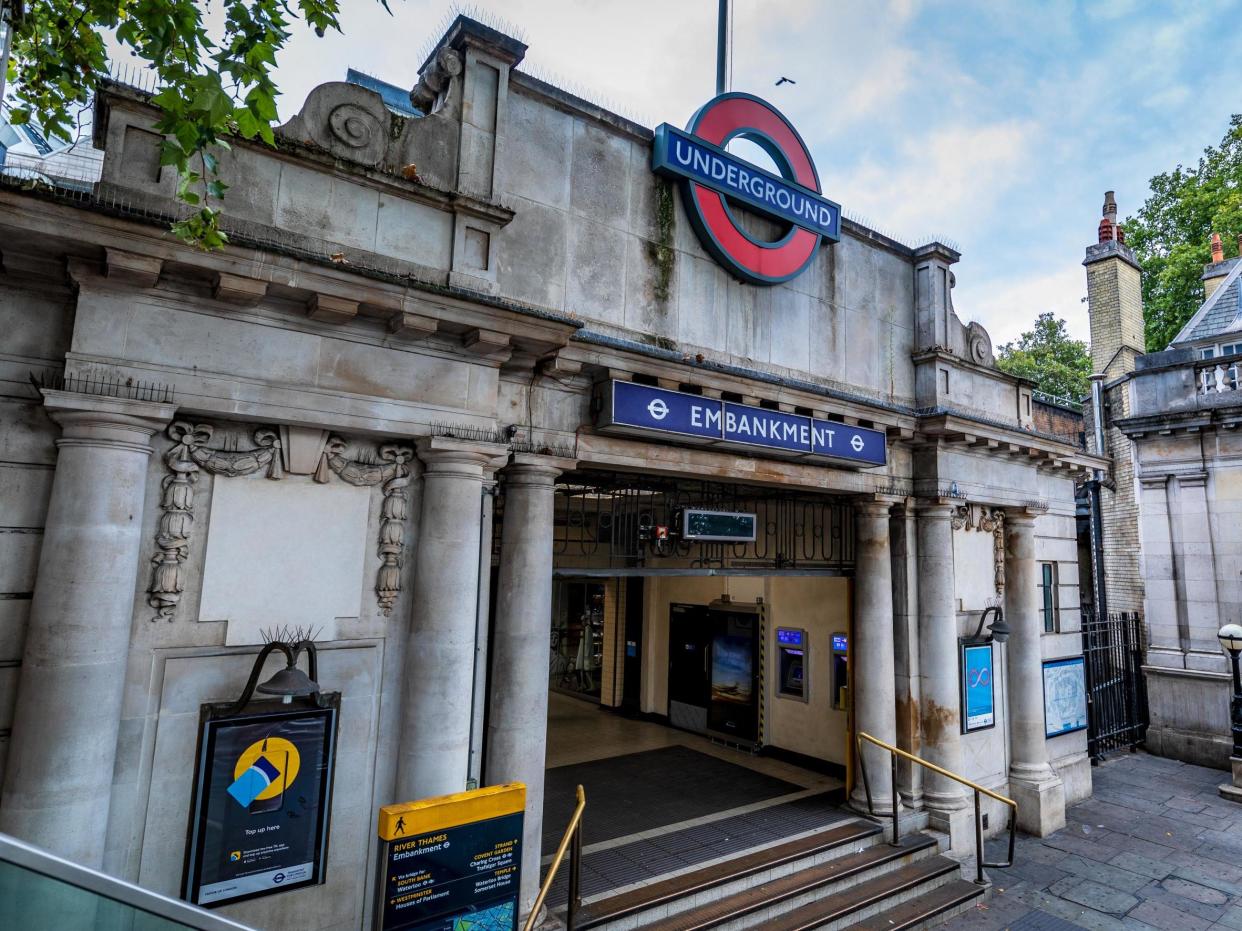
642, 791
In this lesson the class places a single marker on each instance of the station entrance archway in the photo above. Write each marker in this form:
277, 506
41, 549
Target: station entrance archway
699, 687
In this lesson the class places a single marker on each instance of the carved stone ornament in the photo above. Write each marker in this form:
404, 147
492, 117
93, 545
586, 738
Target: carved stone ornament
190, 454
987, 520
979, 344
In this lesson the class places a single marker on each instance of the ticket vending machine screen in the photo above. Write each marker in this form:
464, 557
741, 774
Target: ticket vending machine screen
791, 644
840, 672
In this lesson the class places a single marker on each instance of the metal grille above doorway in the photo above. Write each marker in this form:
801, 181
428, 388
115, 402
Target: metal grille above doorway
618, 521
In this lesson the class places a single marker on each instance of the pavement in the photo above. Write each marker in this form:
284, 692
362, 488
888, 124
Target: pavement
1154, 847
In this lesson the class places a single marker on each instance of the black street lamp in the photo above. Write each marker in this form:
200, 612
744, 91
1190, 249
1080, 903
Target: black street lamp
1230, 637
288, 683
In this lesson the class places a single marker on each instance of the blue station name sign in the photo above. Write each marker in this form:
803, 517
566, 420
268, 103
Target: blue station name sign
647, 410
680, 155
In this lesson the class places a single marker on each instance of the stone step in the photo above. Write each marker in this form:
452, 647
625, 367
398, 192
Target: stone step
936, 907
807, 886
679, 892
912, 883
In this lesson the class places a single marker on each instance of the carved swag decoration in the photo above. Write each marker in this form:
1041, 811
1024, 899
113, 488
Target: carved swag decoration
191, 455
987, 520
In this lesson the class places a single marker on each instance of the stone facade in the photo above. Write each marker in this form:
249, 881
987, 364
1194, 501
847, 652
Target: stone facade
311, 427
1169, 420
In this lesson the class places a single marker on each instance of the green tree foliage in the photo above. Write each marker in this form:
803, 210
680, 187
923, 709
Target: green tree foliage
213, 83
1047, 356
1171, 235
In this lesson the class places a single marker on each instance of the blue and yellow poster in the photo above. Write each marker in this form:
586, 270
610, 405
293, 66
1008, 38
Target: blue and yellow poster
978, 687
262, 794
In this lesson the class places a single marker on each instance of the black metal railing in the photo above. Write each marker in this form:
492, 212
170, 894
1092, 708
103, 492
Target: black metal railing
894, 814
1117, 716
571, 842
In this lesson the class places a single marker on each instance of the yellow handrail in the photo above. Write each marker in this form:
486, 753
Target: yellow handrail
937, 769
894, 753
556, 861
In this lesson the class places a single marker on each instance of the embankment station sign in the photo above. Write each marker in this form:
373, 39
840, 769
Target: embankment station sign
712, 177
647, 410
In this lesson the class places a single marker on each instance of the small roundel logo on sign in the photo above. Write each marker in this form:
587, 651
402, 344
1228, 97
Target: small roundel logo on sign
715, 180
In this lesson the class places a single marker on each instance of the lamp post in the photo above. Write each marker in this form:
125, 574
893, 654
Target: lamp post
1230, 637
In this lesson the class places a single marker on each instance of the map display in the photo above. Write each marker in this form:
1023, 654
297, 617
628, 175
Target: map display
1065, 696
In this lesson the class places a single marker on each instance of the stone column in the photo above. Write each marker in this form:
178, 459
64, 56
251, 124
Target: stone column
906, 653
517, 729
59, 777
1038, 791
434, 758
944, 799
874, 679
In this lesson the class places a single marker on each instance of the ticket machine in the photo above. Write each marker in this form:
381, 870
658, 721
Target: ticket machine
840, 672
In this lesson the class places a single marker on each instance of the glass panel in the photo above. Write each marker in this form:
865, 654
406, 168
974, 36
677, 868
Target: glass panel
1208, 353
1049, 591
33, 900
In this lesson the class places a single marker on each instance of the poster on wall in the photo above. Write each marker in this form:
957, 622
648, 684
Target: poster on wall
978, 687
262, 797
1065, 696
451, 863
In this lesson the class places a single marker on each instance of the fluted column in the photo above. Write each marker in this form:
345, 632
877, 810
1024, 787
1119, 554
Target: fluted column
517, 730
874, 679
1036, 788
938, 661
434, 758
58, 783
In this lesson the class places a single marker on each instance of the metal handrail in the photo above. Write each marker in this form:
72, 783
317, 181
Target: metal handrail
573, 835
979, 790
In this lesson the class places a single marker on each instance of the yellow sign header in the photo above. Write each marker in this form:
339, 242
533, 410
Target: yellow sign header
448, 811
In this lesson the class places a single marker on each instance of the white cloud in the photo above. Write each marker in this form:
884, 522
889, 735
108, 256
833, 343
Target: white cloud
1007, 304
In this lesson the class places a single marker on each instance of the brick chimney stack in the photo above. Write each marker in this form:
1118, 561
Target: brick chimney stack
1214, 272
1114, 298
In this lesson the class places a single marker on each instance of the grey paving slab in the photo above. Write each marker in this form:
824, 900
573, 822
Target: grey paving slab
1094, 895
1155, 847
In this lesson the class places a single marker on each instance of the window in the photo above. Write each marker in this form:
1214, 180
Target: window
1048, 593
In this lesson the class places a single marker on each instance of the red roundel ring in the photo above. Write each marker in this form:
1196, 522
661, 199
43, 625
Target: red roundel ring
724, 118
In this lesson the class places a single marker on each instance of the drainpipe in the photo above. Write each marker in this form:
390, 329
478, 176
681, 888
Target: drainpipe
1097, 518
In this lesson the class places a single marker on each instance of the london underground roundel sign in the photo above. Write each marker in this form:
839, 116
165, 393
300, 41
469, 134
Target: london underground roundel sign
711, 177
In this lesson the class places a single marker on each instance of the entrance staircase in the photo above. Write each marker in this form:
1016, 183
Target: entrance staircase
845, 876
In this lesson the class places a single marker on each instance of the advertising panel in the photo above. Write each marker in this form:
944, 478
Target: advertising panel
978, 687
262, 799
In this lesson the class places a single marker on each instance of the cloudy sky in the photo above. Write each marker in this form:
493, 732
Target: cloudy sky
994, 125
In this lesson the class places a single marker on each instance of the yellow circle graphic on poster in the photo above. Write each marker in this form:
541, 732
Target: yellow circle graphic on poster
280, 754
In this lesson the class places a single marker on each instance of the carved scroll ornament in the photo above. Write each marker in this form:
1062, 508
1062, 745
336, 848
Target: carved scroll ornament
190, 454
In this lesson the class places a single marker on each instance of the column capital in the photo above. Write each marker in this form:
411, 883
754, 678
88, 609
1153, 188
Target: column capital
1154, 482
446, 455
875, 506
99, 420
536, 469
1020, 518
936, 508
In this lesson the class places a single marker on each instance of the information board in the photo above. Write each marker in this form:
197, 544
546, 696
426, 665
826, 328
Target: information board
1065, 696
452, 862
262, 799
978, 687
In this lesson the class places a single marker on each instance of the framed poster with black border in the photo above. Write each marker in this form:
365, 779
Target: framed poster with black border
1065, 696
977, 677
261, 806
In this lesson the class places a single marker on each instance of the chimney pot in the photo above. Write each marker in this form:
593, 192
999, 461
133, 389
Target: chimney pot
1218, 254
1110, 207
1106, 230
